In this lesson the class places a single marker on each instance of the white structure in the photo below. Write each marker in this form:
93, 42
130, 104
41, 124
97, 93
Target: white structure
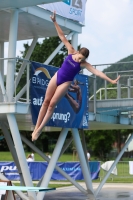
20, 21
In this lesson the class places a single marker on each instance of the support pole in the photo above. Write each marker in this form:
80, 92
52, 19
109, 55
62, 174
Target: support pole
95, 86
12, 150
32, 146
113, 165
83, 163
2, 88
52, 162
1, 67
75, 41
20, 153
11, 54
129, 88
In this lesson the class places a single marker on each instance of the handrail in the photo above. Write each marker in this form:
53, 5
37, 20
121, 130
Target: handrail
111, 88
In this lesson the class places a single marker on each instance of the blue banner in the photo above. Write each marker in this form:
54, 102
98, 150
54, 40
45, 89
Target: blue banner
37, 170
72, 109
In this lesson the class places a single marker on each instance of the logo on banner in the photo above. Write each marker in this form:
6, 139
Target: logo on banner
41, 81
68, 2
75, 3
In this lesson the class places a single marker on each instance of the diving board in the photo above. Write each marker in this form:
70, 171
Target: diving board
24, 188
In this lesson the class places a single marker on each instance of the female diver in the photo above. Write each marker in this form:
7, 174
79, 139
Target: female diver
60, 82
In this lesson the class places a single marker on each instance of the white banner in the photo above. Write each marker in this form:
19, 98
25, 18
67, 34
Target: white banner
71, 9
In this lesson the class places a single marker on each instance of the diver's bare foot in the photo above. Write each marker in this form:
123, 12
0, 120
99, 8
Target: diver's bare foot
35, 135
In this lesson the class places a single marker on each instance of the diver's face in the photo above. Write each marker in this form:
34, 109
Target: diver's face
80, 57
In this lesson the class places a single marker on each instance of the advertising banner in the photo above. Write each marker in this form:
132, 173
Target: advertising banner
72, 9
37, 170
72, 110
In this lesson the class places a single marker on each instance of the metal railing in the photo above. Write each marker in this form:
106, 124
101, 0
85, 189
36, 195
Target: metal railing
25, 89
120, 85
123, 171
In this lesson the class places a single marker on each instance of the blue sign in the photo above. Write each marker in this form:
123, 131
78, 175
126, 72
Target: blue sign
37, 170
72, 109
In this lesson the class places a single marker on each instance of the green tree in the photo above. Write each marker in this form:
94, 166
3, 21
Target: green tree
100, 142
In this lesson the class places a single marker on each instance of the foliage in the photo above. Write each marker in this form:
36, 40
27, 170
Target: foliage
99, 143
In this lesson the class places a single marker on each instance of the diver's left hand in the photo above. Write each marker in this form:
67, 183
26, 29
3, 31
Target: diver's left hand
116, 80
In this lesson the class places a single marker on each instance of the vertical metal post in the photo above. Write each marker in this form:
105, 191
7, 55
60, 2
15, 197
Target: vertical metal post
105, 89
75, 41
52, 162
118, 91
95, 93
114, 164
83, 163
12, 54
129, 88
2, 88
100, 94
20, 153
1, 66
28, 77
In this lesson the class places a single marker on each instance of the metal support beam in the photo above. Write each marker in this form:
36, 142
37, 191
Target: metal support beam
105, 89
12, 150
84, 166
20, 153
52, 162
3, 91
1, 66
32, 146
95, 109
113, 165
12, 54
27, 57
57, 50
75, 41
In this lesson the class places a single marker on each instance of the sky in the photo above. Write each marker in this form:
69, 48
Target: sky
108, 31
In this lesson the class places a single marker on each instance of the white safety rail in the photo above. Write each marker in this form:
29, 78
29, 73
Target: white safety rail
123, 90
100, 94
25, 89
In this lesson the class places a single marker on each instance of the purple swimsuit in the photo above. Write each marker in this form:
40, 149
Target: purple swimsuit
68, 70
